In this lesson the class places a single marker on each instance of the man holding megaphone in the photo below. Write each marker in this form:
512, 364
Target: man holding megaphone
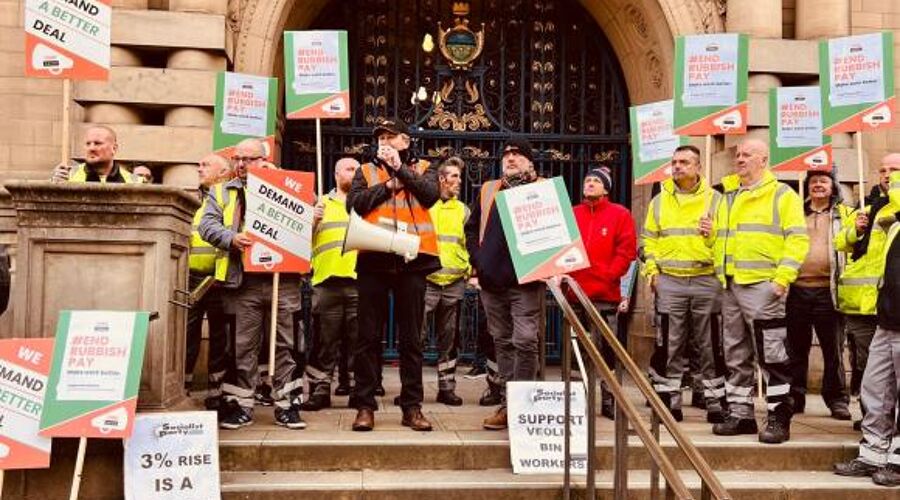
392, 194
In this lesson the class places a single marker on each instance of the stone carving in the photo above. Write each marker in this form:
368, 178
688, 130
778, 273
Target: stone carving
711, 15
654, 68
638, 21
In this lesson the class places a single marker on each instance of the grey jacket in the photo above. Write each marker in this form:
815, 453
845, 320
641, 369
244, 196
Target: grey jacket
213, 230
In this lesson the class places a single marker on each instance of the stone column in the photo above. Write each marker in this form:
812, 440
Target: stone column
203, 6
757, 18
821, 19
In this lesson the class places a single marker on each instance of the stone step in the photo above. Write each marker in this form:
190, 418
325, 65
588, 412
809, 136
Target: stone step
501, 484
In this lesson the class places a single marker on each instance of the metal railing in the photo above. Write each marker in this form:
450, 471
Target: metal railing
625, 411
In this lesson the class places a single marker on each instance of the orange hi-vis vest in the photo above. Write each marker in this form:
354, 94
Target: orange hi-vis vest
402, 211
489, 192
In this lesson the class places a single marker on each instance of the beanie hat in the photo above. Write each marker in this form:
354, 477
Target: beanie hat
519, 145
603, 174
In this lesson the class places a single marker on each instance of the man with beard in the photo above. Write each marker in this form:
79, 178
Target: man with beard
100, 147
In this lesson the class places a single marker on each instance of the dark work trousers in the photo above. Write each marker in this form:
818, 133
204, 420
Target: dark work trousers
212, 308
860, 330
485, 352
809, 309
409, 310
334, 308
444, 302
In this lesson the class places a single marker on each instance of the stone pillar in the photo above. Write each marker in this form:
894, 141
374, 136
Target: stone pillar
757, 18
123, 56
204, 6
821, 19
182, 175
107, 246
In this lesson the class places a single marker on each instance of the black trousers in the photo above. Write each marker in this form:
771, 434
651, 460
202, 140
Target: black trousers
409, 311
212, 308
808, 309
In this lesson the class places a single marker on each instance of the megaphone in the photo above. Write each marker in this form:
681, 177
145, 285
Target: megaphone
46, 58
362, 235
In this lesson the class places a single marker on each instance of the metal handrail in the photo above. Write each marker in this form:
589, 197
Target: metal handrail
710, 484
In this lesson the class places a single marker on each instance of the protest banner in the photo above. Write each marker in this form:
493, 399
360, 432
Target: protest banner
173, 456
245, 108
856, 76
536, 427
317, 81
653, 141
796, 143
24, 366
540, 227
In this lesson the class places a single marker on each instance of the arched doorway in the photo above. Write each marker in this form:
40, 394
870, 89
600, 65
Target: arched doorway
545, 71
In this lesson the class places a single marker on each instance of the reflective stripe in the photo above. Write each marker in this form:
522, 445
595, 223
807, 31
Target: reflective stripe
325, 226
858, 281
753, 264
203, 250
778, 390
791, 231
791, 263
759, 228
739, 390
287, 388
646, 233
316, 374
328, 246
679, 231
684, 264
447, 365
451, 271
237, 391
449, 239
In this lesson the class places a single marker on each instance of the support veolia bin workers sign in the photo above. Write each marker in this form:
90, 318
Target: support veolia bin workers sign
653, 141
317, 76
245, 108
711, 84
67, 39
796, 143
279, 220
856, 74
541, 230
24, 366
95, 374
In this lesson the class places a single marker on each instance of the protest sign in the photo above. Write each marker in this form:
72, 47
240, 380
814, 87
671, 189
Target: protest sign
24, 366
796, 143
711, 84
67, 39
95, 374
317, 76
245, 108
653, 141
856, 74
279, 220
536, 427
539, 225
173, 456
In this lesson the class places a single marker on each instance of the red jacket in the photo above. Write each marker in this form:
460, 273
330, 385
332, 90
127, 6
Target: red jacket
609, 238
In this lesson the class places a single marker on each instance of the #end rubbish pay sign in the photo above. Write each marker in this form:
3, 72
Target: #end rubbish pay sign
317, 74
245, 108
796, 143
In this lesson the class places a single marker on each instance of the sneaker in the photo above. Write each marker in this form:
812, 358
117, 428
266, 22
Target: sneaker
491, 397
477, 371
840, 411
236, 418
733, 426
889, 475
777, 431
289, 417
855, 468
497, 421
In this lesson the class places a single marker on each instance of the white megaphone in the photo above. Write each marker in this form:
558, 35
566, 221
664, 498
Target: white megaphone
50, 60
261, 255
362, 235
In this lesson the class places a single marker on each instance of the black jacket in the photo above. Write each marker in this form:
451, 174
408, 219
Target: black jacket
888, 305
363, 199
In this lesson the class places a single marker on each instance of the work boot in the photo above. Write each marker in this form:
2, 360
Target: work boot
733, 426
497, 421
698, 400
379, 391
778, 426
677, 414
491, 397
343, 389
316, 402
413, 418
365, 420
607, 405
855, 468
449, 398
715, 413
889, 475
799, 403
840, 411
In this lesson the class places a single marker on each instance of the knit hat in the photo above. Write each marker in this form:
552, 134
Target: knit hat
519, 145
603, 174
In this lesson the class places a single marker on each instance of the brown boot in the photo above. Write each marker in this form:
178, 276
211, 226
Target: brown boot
365, 420
413, 418
497, 421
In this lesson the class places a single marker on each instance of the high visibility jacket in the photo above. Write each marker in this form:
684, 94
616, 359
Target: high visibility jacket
203, 255
449, 218
858, 284
760, 232
80, 174
672, 244
328, 243
227, 200
402, 212
489, 192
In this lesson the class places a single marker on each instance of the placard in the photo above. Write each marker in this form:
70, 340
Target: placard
173, 456
711, 84
317, 75
68, 39
541, 230
95, 375
279, 220
796, 143
856, 74
245, 108
653, 141
24, 366
536, 427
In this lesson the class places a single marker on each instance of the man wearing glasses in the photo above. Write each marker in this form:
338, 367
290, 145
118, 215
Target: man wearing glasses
249, 297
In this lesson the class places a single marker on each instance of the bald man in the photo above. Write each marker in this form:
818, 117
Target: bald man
100, 147
248, 296
759, 242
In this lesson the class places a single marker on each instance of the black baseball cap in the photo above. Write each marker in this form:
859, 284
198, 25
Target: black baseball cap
393, 126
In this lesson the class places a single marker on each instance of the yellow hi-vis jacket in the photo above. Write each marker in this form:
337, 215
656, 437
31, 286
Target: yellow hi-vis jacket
229, 207
79, 174
759, 232
671, 241
328, 243
449, 218
858, 284
203, 255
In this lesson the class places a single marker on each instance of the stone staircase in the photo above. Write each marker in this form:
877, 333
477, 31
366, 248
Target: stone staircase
459, 460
